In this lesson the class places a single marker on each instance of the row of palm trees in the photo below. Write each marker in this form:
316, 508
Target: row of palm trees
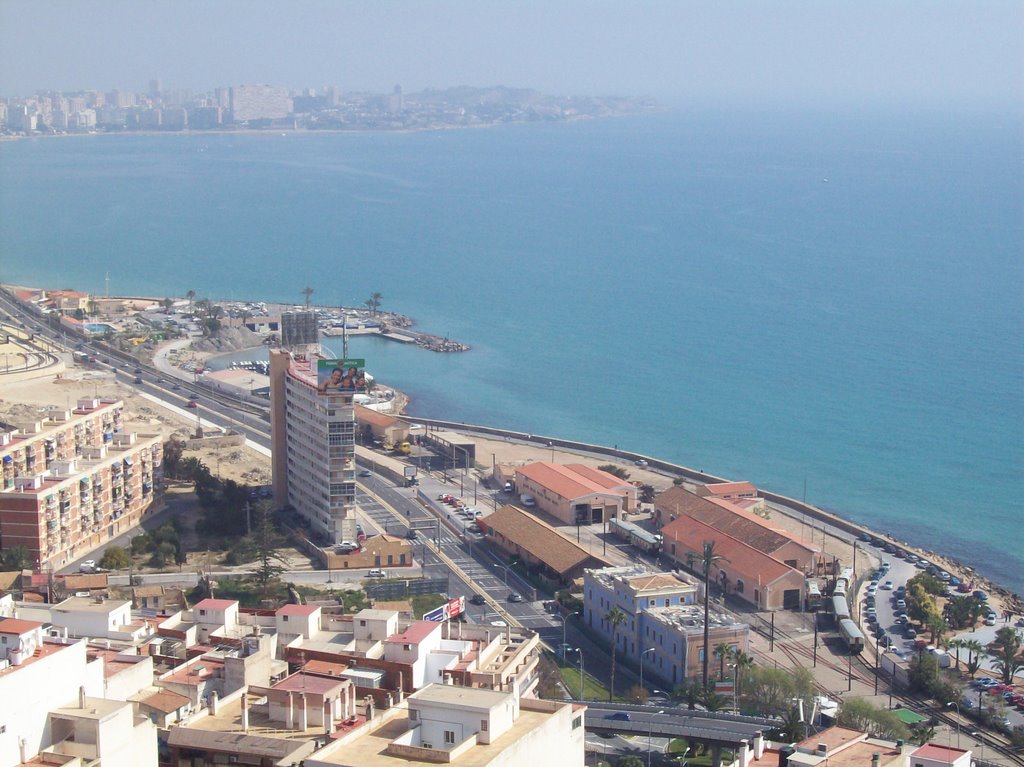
1007, 653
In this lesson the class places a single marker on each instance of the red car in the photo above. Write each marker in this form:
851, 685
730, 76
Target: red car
192, 403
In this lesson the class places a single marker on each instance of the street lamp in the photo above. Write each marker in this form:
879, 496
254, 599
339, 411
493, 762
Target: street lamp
642, 654
650, 730
564, 618
953, 704
735, 679
579, 655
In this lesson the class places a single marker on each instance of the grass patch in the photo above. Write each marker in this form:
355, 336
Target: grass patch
424, 603
593, 689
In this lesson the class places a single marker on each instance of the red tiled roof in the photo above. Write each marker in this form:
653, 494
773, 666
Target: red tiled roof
938, 753
312, 683
727, 488
574, 480
371, 416
298, 609
415, 633
542, 541
166, 701
18, 626
731, 520
215, 604
739, 557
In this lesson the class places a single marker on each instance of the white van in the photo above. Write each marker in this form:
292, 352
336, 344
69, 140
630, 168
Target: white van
527, 500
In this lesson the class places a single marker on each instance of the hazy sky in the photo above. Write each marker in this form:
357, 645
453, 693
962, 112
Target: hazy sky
964, 52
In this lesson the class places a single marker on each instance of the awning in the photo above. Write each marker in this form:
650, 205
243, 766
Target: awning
8, 459
127, 461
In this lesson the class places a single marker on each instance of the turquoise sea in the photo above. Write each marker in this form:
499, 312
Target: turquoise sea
798, 299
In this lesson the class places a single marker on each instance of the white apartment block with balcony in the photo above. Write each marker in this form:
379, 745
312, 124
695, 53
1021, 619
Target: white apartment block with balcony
313, 446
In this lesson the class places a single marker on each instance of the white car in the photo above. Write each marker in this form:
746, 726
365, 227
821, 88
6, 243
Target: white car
87, 566
887, 586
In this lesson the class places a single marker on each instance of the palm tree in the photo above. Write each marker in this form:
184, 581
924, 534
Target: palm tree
975, 652
374, 302
955, 645
708, 559
191, 296
307, 292
743, 662
1008, 659
937, 626
615, 618
722, 651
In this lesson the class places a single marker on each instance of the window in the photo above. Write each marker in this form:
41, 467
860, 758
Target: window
739, 586
449, 736
483, 725
202, 612
577, 722
285, 618
668, 602
413, 715
362, 623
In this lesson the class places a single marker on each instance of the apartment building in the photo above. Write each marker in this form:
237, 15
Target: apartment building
56, 712
662, 620
631, 589
313, 445
74, 479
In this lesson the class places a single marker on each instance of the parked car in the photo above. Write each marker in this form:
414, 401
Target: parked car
346, 547
478, 599
376, 572
910, 633
515, 596
887, 586
981, 595
640, 462
87, 566
901, 604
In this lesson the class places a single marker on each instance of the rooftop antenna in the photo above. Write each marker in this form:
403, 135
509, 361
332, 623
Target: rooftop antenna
106, 284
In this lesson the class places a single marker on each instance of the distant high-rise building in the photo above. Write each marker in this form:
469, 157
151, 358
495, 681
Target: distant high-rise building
396, 102
259, 102
155, 89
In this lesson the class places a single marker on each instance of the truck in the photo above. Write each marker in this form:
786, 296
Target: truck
402, 448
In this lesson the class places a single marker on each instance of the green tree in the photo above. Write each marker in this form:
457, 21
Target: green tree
191, 296
266, 540
374, 302
689, 692
615, 618
937, 626
708, 560
1007, 658
629, 760
922, 672
637, 694
615, 471
743, 662
975, 652
307, 293
162, 554
860, 714
922, 732
711, 700
115, 558
173, 449
15, 558
722, 651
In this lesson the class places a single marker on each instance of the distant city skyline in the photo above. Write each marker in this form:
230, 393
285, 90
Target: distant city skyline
938, 53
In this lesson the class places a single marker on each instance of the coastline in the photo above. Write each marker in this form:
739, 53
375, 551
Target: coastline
543, 447
787, 507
